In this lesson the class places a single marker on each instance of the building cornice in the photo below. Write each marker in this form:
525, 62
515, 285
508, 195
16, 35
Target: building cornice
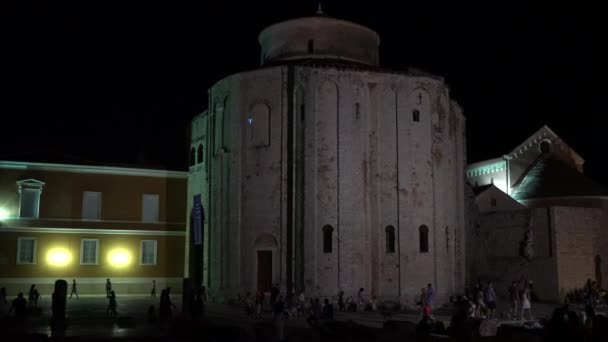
91, 231
107, 170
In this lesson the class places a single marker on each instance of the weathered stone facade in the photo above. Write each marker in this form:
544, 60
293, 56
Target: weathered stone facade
324, 175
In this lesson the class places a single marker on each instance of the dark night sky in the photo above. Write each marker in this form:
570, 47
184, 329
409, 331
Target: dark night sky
118, 83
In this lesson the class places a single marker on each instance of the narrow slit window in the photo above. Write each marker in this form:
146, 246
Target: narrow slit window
390, 239
424, 238
327, 238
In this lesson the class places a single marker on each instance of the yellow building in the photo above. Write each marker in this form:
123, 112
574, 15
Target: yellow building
91, 223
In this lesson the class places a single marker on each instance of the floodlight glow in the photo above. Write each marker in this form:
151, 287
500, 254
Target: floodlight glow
58, 257
119, 258
3, 214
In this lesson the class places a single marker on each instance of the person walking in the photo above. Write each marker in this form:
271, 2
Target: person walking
112, 304
108, 287
74, 291
153, 292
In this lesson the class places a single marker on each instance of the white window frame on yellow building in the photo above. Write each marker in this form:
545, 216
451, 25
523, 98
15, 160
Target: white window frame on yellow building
82, 251
141, 253
19, 261
30, 186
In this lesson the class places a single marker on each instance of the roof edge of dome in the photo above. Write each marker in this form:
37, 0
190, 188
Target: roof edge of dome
272, 27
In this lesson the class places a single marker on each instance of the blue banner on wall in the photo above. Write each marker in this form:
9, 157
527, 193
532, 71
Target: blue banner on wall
198, 220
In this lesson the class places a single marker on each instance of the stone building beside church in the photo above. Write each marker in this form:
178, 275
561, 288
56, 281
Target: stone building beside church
534, 215
322, 171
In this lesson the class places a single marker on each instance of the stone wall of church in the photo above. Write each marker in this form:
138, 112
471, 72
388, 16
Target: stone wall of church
372, 169
580, 237
357, 165
496, 254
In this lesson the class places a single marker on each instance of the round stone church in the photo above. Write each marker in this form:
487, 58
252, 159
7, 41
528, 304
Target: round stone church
323, 172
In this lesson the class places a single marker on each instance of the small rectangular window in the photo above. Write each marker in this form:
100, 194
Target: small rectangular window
149, 205
89, 251
26, 250
148, 252
91, 208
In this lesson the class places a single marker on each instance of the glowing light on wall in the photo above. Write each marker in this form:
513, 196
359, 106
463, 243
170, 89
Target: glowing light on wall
119, 258
3, 214
58, 257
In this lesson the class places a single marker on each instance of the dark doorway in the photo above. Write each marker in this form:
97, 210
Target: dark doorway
264, 270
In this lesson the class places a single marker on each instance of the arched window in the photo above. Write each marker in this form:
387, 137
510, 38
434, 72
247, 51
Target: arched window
199, 156
327, 238
424, 238
192, 156
390, 239
416, 115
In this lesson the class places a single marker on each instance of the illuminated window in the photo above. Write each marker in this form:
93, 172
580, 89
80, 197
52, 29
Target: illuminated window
30, 190
424, 238
89, 251
149, 205
26, 250
91, 208
148, 252
327, 238
416, 115
390, 239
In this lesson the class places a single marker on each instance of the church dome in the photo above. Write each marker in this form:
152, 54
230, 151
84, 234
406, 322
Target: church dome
319, 37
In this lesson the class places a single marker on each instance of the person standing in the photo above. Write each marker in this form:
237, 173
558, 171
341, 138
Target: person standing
514, 295
490, 297
153, 292
430, 296
360, 300
20, 306
108, 287
259, 300
31, 295
423, 302
74, 291
526, 306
